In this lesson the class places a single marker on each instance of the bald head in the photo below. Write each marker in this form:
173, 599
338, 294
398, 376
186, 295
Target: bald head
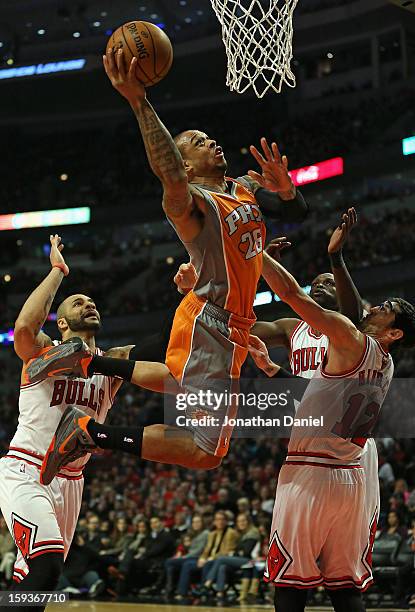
183, 139
78, 313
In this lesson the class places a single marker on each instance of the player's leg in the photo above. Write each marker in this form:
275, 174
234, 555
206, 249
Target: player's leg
298, 531
293, 600
29, 512
347, 600
345, 557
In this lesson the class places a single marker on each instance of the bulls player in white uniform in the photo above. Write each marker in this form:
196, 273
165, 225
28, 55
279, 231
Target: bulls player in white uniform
42, 519
307, 346
320, 534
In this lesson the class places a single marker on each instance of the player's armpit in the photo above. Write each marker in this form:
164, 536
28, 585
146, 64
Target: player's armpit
26, 344
275, 333
185, 210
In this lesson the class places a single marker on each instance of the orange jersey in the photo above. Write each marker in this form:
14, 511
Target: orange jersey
228, 252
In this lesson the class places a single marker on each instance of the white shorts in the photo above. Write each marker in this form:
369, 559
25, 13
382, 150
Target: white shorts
319, 534
41, 519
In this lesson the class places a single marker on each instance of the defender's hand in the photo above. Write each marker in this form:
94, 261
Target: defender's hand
56, 249
259, 353
276, 246
341, 233
123, 78
274, 168
186, 277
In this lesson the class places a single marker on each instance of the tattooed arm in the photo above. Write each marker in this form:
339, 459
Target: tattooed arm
180, 203
28, 339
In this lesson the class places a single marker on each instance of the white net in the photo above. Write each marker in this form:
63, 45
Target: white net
257, 35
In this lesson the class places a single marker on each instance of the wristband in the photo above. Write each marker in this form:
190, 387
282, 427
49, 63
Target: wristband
283, 373
336, 259
62, 267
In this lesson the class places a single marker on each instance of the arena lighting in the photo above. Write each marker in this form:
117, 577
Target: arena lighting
46, 218
408, 145
266, 297
39, 69
7, 337
318, 172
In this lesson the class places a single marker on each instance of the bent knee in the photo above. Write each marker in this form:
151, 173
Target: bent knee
204, 461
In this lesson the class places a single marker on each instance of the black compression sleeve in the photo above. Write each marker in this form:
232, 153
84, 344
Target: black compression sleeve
109, 366
290, 211
283, 373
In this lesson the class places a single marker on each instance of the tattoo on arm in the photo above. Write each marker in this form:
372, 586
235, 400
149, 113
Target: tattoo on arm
163, 155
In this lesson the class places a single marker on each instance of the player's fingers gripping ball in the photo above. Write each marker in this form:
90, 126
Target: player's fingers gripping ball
149, 44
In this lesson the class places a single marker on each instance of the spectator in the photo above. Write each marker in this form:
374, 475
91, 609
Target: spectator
223, 566
81, 569
394, 526
222, 542
148, 567
93, 535
184, 562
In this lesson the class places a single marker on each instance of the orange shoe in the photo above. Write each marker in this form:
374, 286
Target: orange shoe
70, 358
70, 442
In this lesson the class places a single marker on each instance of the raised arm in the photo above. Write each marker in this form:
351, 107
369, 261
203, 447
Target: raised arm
348, 297
28, 339
340, 330
163, 155
274, 188
275, 333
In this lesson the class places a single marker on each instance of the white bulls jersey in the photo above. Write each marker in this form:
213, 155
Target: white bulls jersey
42, 404
348, 405
308, 349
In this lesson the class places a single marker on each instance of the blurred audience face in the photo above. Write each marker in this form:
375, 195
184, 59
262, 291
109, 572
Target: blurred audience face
142, 528
393, 520
220, 521
121, 525
197, 523
155, 524
242, 522
93, 524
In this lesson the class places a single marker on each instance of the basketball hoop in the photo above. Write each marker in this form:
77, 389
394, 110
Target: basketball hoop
257, 35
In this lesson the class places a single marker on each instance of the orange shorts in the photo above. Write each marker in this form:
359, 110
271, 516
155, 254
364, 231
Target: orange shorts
206, 351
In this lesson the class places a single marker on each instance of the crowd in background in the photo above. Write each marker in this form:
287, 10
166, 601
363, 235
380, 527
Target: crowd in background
383, 238
102, 176
154, 531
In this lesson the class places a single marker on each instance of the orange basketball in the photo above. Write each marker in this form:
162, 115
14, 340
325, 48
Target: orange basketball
149, 44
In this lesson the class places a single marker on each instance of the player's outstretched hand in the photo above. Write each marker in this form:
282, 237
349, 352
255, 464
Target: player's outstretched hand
123, 78
341, 233
274, 168
276, 246
185, 277
259, 353
56, 257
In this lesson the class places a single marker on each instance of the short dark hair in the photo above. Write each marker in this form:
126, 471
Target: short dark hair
405, 320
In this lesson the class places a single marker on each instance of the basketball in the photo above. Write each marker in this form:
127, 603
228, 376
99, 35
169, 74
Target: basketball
149, 44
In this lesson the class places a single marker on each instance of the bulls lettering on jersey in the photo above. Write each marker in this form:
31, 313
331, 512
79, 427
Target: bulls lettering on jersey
42, 404
308, 349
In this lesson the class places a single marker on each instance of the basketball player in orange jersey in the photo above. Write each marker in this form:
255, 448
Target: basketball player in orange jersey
220, 222
320, 534
42, 519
